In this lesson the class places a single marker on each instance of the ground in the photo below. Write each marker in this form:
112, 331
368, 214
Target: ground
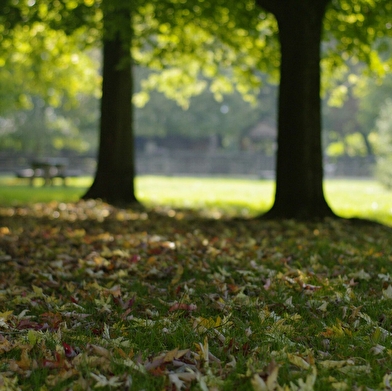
97, 297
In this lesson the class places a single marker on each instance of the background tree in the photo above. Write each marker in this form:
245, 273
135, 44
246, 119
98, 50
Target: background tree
372, 97
46, 74
227, 119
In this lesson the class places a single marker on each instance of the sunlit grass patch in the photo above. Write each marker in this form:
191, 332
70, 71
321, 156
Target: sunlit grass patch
236, 196
360, 198
16, 191
216, 196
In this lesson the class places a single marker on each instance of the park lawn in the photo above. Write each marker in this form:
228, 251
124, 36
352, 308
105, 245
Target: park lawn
214, 196
95, 297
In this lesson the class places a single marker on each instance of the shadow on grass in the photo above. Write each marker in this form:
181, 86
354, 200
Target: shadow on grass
56, 221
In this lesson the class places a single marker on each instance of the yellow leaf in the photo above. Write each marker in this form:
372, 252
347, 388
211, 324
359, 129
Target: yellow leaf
203, 350
201, 324
330, 364
258, 383
341, 386
32, 337
24, 362
271, 384
272, 380
298, 361
355, 369
5, 315
323, 307
387, 381
38, 291
5, 345
170, 356
181, 353
177, 277
100, 351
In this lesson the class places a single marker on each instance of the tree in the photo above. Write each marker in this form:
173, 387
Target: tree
372, 97
42, 70
299, 173
115, 172
181, 34
114, 178
173, 37
299, 170
157, 26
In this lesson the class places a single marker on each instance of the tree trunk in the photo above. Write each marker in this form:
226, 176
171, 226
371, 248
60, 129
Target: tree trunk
299, 169
114, 178
368, 145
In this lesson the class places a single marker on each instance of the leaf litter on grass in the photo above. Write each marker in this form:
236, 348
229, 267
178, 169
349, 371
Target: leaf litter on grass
94, 297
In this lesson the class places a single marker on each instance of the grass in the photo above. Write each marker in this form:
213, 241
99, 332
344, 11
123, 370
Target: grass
240, 197
94, 297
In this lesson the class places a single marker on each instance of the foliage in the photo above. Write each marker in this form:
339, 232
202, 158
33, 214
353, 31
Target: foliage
351, 110
46, 75
169, 35
49, 64
205, 116
384, 145
360, 32
98, 297
44, 130
372, 96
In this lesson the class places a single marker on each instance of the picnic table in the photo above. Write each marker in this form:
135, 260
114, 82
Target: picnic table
48, 169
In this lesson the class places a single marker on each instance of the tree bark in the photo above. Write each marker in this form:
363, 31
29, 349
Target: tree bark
299, 161
114, 178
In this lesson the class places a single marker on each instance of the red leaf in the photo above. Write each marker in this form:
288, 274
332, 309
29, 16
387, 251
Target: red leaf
28, 324
70, 351
59, 362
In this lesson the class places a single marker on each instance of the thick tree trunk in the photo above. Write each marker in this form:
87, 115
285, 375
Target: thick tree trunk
299, 169
114, 178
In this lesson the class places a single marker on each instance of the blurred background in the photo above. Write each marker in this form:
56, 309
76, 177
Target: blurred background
59, 117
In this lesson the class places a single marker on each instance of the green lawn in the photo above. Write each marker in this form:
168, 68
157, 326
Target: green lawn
95, 297
348, 198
